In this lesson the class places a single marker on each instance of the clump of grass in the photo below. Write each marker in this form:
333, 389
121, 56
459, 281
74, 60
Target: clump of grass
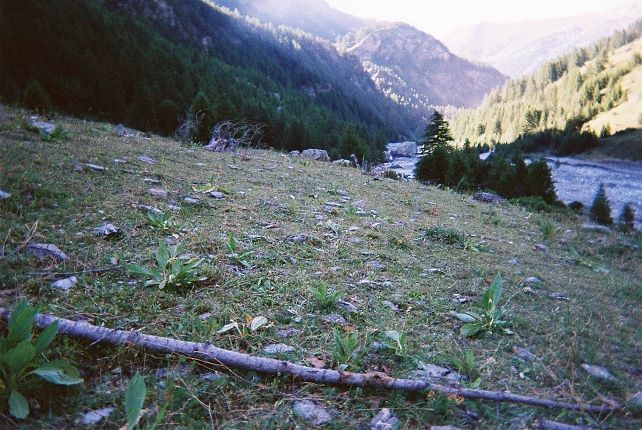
344, 348
325, 297
444, 235
548, 230
58, 134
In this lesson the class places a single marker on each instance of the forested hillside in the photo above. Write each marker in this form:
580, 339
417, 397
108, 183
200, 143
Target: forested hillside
143, 63
563, 95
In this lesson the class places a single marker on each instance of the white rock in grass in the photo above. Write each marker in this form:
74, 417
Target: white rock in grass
107, 231
146, 160
157, 192
277, 348
4, 195
598, 372
217, 195
335, 319
313, 414
191, 201
348, 306
92, 418
65, 284
384, 420
95, 167
44, 250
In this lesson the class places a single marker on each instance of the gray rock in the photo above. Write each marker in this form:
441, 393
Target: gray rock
288, 332
348, 306
487, 197
294, 153
402, 149
387, 156
44, 250
43, 127
597, 228
384, 420
524, 353
211, 377
531, 280
312, 413
541, 247
342, 162
277, 348
598, 373
375, 265
65, 284
430, 372
107, 231
316, 154
121, 131
157, 192
147, 160
119, 161
151, 181
4, 195
95, 167
513, 261
390, 305
92, 418
191, 201
444, 428
217, 195
334, 319
334, 204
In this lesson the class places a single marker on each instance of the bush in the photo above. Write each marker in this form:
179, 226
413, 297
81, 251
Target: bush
601, 208
533, 203
627, 218
576, 206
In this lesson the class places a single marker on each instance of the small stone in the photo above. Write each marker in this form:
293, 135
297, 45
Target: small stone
348, 306
375, 265
390, 305
312, 413
44, 250
65, 284
211, 377
217, 195
334, 204
334, 319
277, 348
524, 353
353, 228
146, 160
4, 195
43, 127
191, 201
205, 316
487, 197
540, 247
531, 280
558, 296
119, 161
151, 181
121, 131
95, 167
288, 332
529, 291
92, 418
384, 420
598, 372
107, 231
157, 192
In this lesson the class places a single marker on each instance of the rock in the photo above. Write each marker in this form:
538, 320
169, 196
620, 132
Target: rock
312, 413
531, 280
541, 247
387, 156
191, 201
384, 420
513, 261
107, 231
44, 250
277, 348
334, 319
430, 372
119, 161
43, 127
121, 131
390, 305
487, 197
524, 353
92, 418
95, 167
635, 402
375, 265
598, 373
147, 160
558, 296
342, 162
334, 204
211, 377
294, 153
288, 332
157, 192
151, 181
217, 195
596, 228
147, 208
65, 284
403, 149
348, 306
4, 195
316, 154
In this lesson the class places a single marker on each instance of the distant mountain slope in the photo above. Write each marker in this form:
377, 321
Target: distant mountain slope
589, 88
519, 48
415, 69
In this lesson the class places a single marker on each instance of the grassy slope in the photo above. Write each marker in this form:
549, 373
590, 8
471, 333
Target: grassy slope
273, 198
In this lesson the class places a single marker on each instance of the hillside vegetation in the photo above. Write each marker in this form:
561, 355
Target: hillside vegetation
565, 94
331, 257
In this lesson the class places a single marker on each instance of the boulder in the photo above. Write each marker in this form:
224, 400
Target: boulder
384, 420
316, 154
65, 284
387, 156
313, 414
403, 149
44, 250
343, 162
43, 127
294, 153
487, 197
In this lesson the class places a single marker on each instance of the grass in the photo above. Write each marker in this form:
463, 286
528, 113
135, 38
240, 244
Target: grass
274, 211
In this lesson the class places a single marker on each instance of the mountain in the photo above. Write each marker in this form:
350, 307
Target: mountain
415, 69
591, 89
313, 16
520, 48
143, 62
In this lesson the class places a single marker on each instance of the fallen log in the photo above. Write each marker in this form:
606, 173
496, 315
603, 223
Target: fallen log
218, 356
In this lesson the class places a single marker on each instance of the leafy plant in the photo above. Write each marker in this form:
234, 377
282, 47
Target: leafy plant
22, 361
396, 341
343, 348
444, 235
171, 270
490, 316
251, 325
548, 230
325, 297
58, 134
208, 187
238, 256
134, 399
160, 221
466, 365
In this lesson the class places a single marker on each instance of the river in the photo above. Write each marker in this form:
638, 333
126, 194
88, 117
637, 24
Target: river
577, 180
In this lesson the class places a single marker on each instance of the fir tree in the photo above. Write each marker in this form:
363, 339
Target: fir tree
601, 209
540, 182
437, 134
434, 167
627, 217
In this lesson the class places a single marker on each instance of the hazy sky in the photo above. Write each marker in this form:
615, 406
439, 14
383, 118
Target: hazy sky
440, 17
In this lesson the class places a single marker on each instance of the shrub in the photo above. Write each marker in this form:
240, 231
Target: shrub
601, 209
627, 217
576, 206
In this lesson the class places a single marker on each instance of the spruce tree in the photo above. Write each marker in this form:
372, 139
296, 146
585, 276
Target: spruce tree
540, 182
601, 209
437, 134
627, 217
434, 167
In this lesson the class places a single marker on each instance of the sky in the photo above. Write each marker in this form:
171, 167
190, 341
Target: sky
441, 17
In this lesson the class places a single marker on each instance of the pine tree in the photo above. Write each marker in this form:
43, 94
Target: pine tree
540, 182
520, 187
601, 209
434, 167
437, 134
627, 217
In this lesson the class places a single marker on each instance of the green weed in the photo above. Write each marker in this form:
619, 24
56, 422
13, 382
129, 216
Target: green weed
490, 316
